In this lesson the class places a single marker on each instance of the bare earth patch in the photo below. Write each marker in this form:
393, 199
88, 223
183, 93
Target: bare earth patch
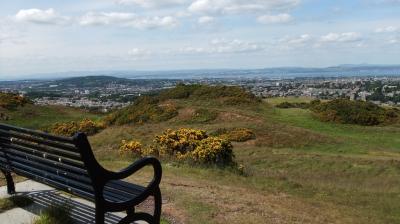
231, 117
185, 114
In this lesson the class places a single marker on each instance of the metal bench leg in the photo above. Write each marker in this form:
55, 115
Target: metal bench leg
157, 205
130, 211
100, 214
10, 182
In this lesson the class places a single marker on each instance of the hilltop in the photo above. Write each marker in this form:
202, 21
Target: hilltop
294, 167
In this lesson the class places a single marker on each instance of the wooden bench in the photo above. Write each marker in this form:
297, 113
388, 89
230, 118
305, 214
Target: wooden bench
68, 164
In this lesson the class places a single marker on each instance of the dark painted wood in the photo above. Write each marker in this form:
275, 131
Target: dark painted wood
68, 164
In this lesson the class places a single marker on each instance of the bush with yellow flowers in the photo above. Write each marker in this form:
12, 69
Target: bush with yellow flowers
213, 150
90, 127
87, 126
12, 101
179, 141
194, 145
131, 147
235, 134
64, 129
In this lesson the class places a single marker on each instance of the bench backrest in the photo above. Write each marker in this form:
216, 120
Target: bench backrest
49, 159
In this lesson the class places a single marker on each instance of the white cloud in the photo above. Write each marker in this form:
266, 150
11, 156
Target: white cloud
240, 6
394, 41
387, 29
273, 19
302, 39
155, 22
234, 46
128, 20
49, 16
93, 18
205, 20
138, 53
341, 37
152, 3
223, 46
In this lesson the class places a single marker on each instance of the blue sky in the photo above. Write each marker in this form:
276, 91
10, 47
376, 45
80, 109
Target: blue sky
45, 36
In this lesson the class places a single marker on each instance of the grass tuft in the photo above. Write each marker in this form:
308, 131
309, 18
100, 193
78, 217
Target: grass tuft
13, 202
55, 214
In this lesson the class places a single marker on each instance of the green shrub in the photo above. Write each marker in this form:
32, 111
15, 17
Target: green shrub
231, 95
353, 112
144, 109
181, 91
286, 105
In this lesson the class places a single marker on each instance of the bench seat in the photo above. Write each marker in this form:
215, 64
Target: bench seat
68, 164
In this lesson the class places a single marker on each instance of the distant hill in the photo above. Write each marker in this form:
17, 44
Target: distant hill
98, 81
333, 71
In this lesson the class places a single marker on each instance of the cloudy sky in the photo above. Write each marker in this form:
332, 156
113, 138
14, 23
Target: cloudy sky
45, 36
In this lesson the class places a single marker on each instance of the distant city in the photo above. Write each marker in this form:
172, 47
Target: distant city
377, 84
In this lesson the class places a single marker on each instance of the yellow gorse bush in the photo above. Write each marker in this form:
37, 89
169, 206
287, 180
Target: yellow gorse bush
11, 100
181, 140
70, 128
213, 150
239, 135
194, 145
134, 147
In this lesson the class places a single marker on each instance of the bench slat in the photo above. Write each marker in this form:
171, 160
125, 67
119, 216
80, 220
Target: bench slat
82, 178
37, 133
75, 163
75, 191
56, 164
126, 186
30, 138
51, 176
42, 148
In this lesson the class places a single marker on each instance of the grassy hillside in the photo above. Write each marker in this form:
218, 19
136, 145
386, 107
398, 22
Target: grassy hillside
296, 170
39, 117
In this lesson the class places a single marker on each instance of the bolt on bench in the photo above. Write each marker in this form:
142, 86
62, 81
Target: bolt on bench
68, 164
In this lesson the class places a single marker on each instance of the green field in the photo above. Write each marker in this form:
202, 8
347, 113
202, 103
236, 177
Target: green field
297, 170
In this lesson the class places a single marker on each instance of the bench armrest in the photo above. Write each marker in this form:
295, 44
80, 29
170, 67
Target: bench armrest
139, 164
